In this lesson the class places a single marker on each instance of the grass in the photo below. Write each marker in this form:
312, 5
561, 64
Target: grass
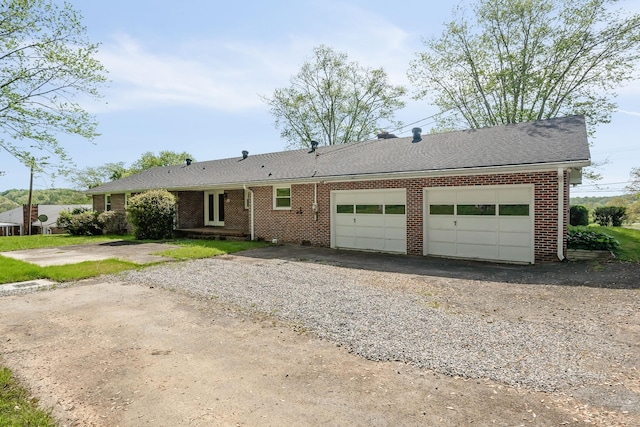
16, 406
17, 243
193, 249
629, 239
12, 270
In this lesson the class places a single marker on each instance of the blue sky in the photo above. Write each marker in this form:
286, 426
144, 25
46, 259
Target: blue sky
186, 76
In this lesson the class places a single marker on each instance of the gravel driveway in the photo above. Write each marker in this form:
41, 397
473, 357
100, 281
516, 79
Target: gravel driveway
542, 337
566, 333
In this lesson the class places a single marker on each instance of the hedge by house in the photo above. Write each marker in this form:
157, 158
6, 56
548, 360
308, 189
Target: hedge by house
152, 214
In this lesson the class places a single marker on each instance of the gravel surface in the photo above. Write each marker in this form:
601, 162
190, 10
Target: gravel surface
380, 317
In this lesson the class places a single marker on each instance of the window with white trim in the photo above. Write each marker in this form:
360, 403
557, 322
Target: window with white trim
107, 202
281, 197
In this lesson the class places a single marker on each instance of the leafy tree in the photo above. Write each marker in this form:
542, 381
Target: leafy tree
80, 222
333, 101
152, 214
634, 185
610, 215
90, 177
45, 62
54, 196
149, 160
578, 215
523, 60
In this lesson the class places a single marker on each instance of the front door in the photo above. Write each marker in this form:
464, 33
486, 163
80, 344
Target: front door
214, 208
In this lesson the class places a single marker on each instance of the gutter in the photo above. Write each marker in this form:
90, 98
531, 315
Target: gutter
251, 214
560, 244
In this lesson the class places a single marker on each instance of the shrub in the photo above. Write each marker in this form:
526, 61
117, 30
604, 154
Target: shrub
152, 214
610, 215
80, 222
585, 238
113, 222
578, 215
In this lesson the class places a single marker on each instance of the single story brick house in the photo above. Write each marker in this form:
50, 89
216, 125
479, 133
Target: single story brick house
498, 193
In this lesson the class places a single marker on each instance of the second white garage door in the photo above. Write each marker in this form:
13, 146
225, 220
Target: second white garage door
492, 223
369, 220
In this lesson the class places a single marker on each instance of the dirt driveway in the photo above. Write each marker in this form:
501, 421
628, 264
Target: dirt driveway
114, 354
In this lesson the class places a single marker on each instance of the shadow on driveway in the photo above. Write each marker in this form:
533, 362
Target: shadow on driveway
610, 274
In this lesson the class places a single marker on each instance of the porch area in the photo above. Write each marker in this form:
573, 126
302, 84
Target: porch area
213, 233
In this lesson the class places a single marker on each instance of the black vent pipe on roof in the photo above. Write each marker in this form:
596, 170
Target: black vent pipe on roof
416, 134
188, 161
314, 145
245, 154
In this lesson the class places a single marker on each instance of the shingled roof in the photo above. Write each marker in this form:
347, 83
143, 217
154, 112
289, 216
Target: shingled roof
545, 143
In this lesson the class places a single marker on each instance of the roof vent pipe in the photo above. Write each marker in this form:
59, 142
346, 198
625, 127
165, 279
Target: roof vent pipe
314, 145
416, 134
188, 161
245, 154
386, 135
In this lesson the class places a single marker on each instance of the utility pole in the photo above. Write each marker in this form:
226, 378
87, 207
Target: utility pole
30, 195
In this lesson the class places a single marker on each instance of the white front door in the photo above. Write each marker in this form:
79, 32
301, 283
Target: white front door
370, 220
214, 208
491, 223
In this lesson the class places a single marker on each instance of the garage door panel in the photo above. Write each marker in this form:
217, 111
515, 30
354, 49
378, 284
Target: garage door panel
376, 221
501, 230
477, 251
476, 196
514, 195
514, 239
442, 236
370, 232
441, 222
518, 224
477, 223
442, 248
477, 237
513, 253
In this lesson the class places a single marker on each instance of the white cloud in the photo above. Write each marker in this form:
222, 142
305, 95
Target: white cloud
222, 73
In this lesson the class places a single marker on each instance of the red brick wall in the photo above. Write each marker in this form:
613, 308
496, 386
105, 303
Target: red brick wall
190, 209
300, 224
236, 217
98, 202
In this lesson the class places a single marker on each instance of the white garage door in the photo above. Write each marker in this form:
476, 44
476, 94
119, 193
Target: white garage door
494, 223
369, 220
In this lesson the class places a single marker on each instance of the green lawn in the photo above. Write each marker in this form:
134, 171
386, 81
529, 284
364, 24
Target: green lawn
17, 408
629, 239
12, 270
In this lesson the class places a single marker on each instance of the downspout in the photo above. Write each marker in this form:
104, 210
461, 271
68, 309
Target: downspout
560, 245
251, 217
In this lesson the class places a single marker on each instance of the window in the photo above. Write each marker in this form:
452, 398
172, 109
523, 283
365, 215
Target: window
369, 209
394, 209
441, 209
514, 210
476, 209
107, 202
344, 209
282, 198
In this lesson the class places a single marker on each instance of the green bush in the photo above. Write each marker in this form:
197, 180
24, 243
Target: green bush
578, 215
113, 222
610, 215
152, 214
80, 222
585, 238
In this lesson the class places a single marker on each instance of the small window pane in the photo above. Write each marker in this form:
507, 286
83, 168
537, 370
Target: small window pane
284, 202
394, 209
441, 209
283, 192
369, 209
476, 209
344, 209
514, 210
